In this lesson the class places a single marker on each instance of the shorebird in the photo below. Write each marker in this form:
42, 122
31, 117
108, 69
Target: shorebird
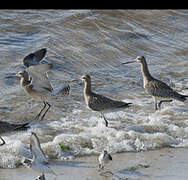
35, 82
104, 158
156, 88
39, 161
98, 102
32, 59
8, 127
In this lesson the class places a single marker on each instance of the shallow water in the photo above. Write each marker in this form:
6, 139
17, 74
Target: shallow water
96, 42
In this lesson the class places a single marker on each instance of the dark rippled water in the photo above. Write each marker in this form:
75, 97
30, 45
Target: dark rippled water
96, 42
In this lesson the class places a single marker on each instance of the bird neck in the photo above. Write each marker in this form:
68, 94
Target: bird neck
145, 72
87, 87
25, 81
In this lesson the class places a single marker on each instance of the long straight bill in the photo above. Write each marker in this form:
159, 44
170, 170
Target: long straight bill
131, 61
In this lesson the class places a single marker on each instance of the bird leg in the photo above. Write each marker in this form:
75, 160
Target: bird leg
156, 106
159, 105
106, 122
37, 117
2, 141
155, 101
46, 110
100, 167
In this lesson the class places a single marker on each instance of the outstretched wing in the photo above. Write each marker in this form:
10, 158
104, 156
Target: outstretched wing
34, 58
7, 127
39, 78
36, 149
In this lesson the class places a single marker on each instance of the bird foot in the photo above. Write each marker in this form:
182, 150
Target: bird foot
2, 141
159, 105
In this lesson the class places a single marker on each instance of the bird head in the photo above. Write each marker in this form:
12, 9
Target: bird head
140, 59
22, 74
86, 77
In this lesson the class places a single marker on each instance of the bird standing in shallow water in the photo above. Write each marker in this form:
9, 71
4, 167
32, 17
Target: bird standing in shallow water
34, 79
156, 88
98, 102
35, 83
104, 158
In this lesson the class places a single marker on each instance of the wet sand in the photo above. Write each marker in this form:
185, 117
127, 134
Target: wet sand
164, 164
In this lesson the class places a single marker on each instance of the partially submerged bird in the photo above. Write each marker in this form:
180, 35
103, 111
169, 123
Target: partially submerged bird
159, 90
39, 161
8, 127
98, 102
104, 159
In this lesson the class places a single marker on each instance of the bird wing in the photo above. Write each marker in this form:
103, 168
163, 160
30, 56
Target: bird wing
160, 89
99, 102
65, 90
41, 68
39, 78
34, 58
36, 149
7, 127
109, 157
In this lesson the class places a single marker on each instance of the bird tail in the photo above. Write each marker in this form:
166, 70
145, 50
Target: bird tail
65, 91
61, 91
184, 97
180, 97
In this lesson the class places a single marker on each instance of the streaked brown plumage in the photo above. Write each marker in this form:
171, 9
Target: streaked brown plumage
99, 102
8, 127
156, 88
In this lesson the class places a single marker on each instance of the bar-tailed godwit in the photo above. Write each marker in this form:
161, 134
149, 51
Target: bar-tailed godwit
159, 90
100, 103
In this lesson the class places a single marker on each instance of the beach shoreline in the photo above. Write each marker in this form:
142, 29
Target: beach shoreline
165, 164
